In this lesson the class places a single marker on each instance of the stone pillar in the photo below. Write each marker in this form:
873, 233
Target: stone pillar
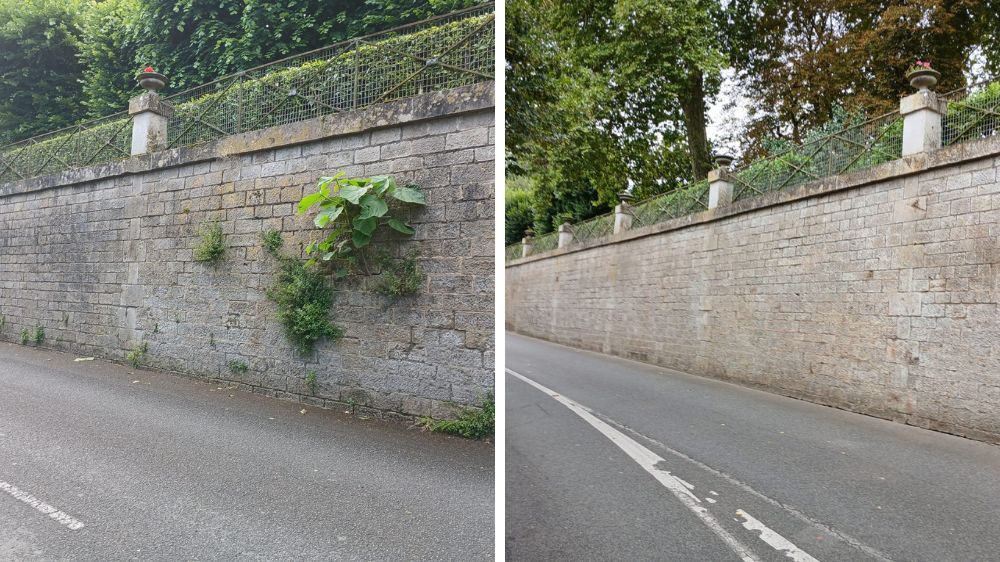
526, 243
720, 189
921, 113
150, 115
623, 212
565, 235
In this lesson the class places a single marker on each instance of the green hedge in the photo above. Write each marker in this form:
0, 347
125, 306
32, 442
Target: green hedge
264, 98
325, 86
104, 141
967, 119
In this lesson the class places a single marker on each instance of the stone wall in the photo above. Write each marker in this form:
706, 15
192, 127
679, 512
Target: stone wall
876, 292
102, 258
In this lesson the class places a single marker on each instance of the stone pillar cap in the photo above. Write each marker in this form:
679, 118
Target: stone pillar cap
923, 100
150, 101
718, 174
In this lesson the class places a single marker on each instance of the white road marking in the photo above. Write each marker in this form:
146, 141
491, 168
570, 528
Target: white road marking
60, 517
772, 538
649, 460
876, 554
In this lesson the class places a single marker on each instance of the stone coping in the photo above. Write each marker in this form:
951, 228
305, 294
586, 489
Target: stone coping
907, 166
432, 105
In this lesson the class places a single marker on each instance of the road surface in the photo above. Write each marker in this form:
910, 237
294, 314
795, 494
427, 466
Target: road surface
609, 459
159, 467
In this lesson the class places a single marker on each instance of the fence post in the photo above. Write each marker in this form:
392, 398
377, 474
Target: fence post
623, 212
720, 189
922, 113
150, 115
565, 234
526, 243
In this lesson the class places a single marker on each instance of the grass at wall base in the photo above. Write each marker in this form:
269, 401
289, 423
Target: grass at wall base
471, 423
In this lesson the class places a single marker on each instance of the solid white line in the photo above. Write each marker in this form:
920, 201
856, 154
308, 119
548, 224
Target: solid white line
60, 517
649, 460
772, 538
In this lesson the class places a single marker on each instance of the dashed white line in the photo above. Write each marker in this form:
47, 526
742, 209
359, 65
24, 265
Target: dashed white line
62, 518
772, 538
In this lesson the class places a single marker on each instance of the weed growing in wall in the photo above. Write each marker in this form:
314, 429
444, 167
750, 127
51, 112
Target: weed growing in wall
25, 337
134, 357
399, 277
472, 423
273, 242
39, 335
212, 245
303, 299
312, 383
238, 367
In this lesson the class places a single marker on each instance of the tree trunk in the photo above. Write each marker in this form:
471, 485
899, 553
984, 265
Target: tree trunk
693, 106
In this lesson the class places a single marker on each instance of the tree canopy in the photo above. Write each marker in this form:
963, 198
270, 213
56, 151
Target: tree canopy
801, 60
602, 94
39, 67
595, 98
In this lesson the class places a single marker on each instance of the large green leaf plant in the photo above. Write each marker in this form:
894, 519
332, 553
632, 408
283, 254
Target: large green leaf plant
355, 210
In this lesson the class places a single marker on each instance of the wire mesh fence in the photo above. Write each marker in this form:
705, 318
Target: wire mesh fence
584, 231
677, 203
513, 251
435, 54
973, 113
857, 146
545, 243
591, 229
93, 142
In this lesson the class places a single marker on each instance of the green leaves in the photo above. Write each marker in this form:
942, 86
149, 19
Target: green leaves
352, 193
409, 194
354, 209
372, 206
310, 200
327, 215
365, 225
401, 226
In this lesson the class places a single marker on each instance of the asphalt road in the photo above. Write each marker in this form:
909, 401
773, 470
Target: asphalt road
774, 478
159, 467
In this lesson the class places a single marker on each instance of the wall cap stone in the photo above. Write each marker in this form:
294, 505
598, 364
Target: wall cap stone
444, 103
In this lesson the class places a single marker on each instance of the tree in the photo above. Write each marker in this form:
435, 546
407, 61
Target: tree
108, 49
39, 69
668, 53
604, 95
